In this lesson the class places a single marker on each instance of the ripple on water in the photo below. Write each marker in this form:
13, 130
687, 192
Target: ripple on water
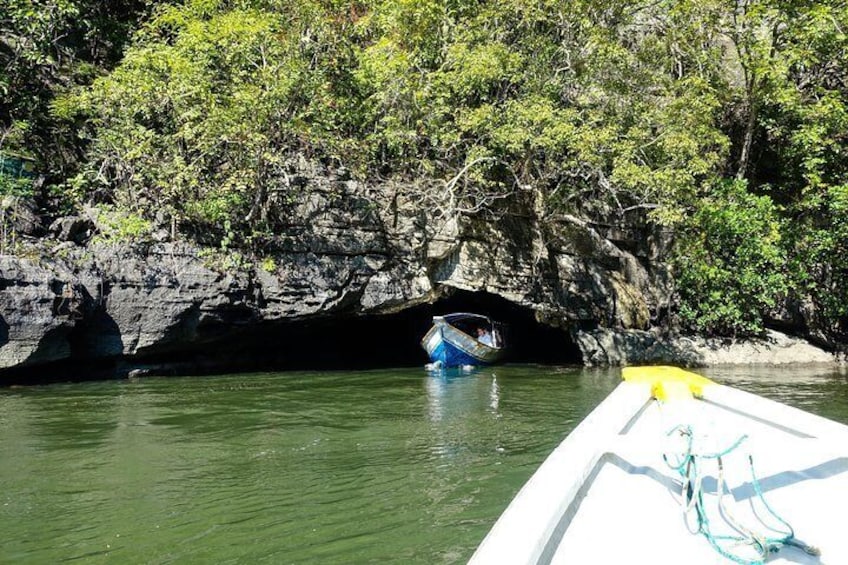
380, 466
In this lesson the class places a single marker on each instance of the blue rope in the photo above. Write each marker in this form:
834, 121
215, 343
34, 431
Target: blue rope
688, 467
789, 538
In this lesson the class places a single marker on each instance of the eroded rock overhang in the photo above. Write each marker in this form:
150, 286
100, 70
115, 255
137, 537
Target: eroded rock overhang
353, 280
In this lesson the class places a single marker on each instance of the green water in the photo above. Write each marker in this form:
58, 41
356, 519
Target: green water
357, 467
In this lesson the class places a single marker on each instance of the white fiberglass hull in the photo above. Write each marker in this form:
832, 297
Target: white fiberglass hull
607, 495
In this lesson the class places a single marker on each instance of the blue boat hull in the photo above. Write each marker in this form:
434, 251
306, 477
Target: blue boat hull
449, 356
450, 347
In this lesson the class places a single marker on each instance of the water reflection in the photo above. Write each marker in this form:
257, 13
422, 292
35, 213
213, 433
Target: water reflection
454, 393
776, 375
352, 467
821, 389
74, 417
494, 395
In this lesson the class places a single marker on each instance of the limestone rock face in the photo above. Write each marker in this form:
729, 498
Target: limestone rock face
109, 302
606, 347
344, 248
18, 216
34, 321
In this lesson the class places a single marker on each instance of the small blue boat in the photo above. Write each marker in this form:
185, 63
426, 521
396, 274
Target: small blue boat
451, 342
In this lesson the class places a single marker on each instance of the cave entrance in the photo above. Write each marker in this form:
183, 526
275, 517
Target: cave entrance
352, 343
529, 341
392, 340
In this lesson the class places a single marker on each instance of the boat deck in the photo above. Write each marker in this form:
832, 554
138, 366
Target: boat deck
623, 504
633, 503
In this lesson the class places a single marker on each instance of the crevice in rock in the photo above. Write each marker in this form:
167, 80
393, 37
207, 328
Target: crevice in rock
365, 342
332, 343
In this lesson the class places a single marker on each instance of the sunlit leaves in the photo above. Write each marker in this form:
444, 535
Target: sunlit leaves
598, 108
194, 117
45, 46
731, 265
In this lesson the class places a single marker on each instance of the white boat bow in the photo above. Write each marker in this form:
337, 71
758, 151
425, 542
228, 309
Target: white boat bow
638, 482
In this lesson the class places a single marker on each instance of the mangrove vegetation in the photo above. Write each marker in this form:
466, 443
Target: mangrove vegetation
723, 122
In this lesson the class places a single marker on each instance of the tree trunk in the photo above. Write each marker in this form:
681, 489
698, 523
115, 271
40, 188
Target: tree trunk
748, 140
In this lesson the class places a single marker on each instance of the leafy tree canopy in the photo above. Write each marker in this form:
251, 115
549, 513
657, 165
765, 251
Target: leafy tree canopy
725, 119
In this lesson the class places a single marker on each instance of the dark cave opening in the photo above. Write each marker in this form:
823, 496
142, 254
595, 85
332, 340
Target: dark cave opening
352, 343
392, 340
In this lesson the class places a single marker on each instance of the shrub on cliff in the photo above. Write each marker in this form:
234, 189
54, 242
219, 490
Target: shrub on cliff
730, 265
588, 106
592, 108
46, 47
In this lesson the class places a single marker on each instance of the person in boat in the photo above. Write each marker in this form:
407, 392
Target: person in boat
485, 337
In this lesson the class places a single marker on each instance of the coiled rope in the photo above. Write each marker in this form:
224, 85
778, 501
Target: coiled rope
689, 465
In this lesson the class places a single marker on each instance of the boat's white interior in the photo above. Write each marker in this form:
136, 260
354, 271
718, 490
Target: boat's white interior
607, 496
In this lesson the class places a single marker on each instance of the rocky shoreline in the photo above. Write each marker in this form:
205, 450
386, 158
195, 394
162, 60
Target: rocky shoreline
121, 311
621, 348
353, 254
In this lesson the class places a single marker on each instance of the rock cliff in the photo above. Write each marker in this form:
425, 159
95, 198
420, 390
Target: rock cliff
346, 249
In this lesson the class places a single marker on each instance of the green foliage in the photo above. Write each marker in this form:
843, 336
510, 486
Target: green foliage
269, 265
583, 104
45, 46
730, 264
198, 118
803, 120
12, 186
196, 122
726, 119
16, 175
820, 246
118, 225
